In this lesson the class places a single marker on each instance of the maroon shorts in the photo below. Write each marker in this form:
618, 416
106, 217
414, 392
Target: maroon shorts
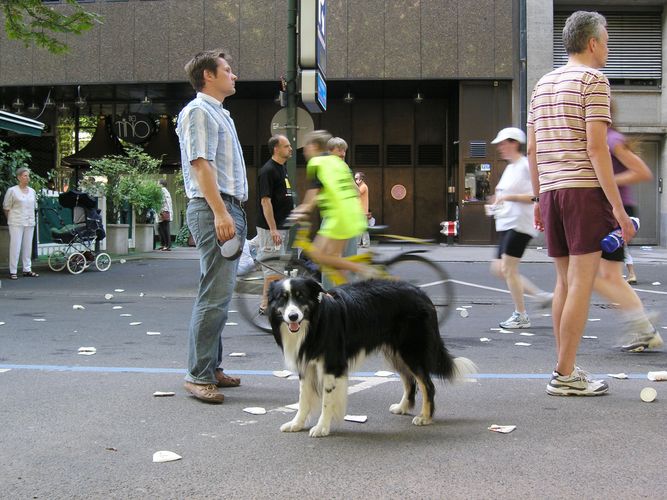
575, 220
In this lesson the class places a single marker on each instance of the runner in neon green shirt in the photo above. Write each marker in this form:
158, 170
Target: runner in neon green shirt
333, 190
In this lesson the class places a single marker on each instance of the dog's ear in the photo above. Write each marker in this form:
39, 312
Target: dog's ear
274, 289
315, 289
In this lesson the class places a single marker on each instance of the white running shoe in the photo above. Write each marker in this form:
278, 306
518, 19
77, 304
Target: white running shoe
642, 335
516, 320
577, 383
639, 342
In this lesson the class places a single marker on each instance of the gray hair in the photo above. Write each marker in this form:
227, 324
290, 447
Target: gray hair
319, 138
336, 142
22, 170
579, 28
162, 182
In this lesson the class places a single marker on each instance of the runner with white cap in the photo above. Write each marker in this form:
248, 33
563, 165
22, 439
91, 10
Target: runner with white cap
512, 207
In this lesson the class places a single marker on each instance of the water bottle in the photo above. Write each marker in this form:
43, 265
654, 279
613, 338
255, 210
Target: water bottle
613, 241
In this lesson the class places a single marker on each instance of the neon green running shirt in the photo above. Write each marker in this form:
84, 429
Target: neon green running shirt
338, 199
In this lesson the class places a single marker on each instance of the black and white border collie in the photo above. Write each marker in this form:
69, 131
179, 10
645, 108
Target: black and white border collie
323, 335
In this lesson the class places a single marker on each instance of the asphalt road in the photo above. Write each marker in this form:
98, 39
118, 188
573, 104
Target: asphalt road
76, 426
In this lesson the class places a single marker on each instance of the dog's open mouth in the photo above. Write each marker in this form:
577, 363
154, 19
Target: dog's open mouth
293, 326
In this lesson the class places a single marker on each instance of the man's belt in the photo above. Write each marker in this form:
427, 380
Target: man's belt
231, 199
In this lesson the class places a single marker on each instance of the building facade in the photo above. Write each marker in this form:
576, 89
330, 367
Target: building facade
418, 89
636, 70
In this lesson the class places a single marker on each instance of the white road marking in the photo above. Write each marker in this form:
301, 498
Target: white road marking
475, 285
650, 291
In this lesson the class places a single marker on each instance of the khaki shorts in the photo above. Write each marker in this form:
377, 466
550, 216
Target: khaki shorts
266, 248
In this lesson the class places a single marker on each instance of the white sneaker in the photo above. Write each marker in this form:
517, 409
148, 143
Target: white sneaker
639, 342
576, 383
516, 320
642, 334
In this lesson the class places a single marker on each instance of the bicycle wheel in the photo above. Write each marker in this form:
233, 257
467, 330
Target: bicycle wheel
57, 261
249, 287
76, 263
430, 277
103, 262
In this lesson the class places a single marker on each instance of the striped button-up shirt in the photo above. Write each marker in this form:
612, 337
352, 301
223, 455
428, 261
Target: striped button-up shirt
563, 102
206, 130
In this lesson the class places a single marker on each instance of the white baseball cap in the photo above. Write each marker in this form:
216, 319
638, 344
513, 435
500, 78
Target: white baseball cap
510, 133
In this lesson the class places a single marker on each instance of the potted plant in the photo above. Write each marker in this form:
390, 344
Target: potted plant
145, 197
9, 162
121, 175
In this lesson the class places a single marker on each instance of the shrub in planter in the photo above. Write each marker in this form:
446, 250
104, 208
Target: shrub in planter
145, 196
122, 174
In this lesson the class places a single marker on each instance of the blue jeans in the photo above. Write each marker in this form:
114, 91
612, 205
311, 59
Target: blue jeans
216, 285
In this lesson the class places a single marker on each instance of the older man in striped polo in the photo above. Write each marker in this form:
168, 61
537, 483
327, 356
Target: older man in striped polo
573, 182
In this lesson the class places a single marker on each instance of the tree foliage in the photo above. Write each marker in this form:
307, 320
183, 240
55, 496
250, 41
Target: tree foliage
32, 21
10, 162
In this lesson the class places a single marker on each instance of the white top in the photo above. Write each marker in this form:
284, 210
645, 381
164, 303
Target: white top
513, 214
166, 201
21, 206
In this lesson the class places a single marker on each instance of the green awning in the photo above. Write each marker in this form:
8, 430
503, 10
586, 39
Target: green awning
20, 124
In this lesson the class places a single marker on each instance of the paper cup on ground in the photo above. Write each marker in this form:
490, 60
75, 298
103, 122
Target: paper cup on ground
648, 394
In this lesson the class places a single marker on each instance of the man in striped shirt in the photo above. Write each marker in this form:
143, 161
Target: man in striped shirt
215, 181
579, 202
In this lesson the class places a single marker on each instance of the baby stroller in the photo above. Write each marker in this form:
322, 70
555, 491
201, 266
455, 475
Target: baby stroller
80, 236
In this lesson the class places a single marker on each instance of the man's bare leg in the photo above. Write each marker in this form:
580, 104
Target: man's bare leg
328, 252
581, 272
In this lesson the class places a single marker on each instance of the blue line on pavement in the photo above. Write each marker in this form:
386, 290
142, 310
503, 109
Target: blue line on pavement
263, 373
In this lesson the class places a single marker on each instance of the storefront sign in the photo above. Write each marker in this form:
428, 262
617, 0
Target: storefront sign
135, 128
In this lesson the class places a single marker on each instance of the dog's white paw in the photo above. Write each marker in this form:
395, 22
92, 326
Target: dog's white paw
319, 431
291, 426
419, 420
398, 409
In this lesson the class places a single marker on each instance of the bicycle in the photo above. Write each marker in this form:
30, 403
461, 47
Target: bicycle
407, 265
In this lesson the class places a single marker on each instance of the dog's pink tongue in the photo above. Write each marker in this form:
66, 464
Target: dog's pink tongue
293, 326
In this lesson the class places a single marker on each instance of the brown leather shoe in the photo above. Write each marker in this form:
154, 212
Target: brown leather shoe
205, 392
225, 380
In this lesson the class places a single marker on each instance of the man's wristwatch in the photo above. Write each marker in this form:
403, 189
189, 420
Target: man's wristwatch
535, 199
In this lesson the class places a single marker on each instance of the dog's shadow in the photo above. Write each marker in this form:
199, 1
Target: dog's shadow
454, 429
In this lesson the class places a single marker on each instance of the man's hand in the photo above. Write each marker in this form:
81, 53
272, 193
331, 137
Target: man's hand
224, 227
537, 218
275, 236
628, 230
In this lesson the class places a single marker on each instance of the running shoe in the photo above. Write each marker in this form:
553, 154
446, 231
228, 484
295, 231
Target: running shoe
639, 342
578, 383
516, 320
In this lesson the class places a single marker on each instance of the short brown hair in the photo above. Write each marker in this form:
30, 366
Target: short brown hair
274, 141
206, 60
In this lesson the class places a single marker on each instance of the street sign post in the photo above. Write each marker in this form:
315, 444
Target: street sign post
313, 54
